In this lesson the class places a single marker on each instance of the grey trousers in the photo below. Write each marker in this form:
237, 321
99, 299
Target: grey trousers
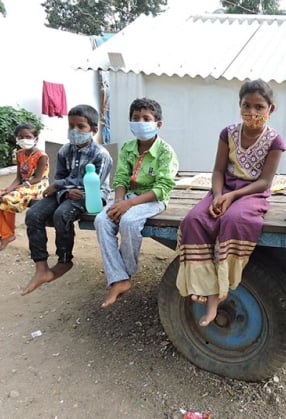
120, 255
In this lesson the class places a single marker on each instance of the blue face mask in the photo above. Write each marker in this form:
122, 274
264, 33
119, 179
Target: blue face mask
79, 138
143, 131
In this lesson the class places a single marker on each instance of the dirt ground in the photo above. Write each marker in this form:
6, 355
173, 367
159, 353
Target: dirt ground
91, 363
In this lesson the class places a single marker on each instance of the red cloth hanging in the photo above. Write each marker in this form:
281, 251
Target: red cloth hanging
54, 101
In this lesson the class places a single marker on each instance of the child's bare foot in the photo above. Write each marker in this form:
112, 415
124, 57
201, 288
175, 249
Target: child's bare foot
4, 242
212, 305
44, 275
199, 299
38, 279
116, 291
61, 268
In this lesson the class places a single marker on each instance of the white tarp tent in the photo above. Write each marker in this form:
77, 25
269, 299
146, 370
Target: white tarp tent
194, 66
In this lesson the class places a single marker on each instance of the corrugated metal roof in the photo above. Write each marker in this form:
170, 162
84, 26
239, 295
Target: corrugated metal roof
228, 46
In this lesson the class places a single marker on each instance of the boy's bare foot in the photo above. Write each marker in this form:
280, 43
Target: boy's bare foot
44, 275
4, 242
212, 305
199, 299
38, 279
116, 291
61, 268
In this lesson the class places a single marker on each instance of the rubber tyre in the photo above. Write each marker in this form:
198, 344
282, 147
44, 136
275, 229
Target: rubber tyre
252, 346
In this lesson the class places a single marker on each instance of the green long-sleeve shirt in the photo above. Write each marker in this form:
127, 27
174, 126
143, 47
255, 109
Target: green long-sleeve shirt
156, 172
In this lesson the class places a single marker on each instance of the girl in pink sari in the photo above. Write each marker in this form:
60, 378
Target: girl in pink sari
218, 235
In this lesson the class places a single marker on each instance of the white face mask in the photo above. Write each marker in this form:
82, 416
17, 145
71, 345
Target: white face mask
78, 138
143, 131
26, 143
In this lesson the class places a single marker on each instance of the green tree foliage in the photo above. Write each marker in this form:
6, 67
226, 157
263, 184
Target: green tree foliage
92, 17
265, 7
2, 8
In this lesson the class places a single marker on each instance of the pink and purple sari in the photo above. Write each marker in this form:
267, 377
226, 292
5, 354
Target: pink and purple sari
214, 252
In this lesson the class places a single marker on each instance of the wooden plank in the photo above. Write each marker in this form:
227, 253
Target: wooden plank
183, 200
163, 227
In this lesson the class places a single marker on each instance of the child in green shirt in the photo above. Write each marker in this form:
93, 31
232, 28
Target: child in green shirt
143, 182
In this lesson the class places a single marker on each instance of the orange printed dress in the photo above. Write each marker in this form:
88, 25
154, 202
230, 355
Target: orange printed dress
18, 200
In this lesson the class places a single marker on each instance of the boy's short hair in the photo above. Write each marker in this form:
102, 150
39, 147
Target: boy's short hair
29, 127
149, 104
87, 112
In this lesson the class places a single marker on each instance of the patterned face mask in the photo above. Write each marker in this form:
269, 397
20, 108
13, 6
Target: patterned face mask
254, 121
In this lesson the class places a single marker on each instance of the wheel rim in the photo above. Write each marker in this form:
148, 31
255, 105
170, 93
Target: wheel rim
238, 332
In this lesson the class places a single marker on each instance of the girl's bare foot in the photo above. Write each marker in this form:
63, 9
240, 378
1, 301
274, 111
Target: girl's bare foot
212, 305
199, 299
116, 291
4, 242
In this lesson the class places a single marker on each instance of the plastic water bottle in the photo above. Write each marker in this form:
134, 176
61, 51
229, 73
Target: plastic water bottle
91, 183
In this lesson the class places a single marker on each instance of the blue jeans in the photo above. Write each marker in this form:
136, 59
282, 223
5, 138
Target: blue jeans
62, 217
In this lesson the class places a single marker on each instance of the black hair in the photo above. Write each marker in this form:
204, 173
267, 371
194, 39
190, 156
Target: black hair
149, 104
87, 112
29, 127
259, 86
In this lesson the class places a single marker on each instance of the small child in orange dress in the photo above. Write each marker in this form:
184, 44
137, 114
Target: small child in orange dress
30, 182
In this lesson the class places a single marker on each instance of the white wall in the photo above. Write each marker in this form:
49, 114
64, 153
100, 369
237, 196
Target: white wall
194, 113
32, 53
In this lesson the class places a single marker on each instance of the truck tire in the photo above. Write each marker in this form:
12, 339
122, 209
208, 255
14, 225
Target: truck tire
247, 340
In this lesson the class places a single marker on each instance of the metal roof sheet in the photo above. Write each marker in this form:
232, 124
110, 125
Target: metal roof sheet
229, 46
